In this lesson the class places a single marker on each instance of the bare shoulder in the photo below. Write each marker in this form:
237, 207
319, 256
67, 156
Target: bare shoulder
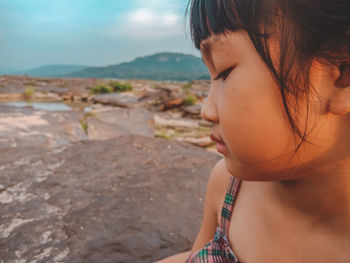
214, 198
218, 184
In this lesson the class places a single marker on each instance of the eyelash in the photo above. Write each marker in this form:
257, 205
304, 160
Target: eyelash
224, 74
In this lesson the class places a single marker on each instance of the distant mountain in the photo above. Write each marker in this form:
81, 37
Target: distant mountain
161, 66
50, 70
7, 70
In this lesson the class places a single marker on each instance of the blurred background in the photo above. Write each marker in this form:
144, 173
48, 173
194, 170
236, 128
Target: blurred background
89, 32
104, 154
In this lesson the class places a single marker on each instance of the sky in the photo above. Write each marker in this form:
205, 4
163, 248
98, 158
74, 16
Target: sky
35, 33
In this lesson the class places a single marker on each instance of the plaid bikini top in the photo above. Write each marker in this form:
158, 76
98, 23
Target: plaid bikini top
218, 250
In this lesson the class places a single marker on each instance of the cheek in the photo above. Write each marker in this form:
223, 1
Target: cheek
254, 125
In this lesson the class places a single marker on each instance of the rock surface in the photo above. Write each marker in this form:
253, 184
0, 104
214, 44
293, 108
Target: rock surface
193, 111
157, 97
131, 199
26, 127
126, 100
110, 123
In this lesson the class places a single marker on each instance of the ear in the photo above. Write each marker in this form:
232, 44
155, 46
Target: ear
340, 101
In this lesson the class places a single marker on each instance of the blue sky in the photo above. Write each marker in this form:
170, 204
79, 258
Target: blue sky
89, 32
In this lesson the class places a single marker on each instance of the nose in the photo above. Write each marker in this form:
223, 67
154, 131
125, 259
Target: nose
209, 108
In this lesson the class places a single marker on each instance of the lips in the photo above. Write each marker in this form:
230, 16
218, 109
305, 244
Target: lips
214, 139
220, 145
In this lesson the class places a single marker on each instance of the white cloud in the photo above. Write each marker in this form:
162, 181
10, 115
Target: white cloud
151, 19
170, 20
142, 16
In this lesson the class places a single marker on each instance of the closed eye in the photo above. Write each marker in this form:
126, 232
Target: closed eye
224, 74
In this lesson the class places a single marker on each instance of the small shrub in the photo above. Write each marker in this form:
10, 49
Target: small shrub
84, 125
120, 87
177, 134
163, 136
84, 122
28, 93
190, 100
101, 89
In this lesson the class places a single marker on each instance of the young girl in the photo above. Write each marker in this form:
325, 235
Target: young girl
279, 103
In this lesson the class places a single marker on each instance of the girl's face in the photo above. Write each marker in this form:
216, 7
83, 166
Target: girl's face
246, 108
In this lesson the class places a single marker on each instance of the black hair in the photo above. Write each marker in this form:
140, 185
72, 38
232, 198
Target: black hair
306, 30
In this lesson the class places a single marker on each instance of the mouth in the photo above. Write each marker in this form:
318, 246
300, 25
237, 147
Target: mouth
214, 139
220, 145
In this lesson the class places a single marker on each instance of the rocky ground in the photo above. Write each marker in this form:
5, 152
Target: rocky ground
119, 178
170, 115
131, 199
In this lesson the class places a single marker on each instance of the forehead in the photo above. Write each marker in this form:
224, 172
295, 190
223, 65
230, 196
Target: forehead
230, 41
219, 43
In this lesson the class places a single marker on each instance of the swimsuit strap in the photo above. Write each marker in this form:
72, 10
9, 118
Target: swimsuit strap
229, 202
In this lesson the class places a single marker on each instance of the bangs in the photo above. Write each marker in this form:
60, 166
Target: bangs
209, 17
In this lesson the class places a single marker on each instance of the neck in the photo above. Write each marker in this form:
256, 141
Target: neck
321, 198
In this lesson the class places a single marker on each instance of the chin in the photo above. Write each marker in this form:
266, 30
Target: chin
254, 173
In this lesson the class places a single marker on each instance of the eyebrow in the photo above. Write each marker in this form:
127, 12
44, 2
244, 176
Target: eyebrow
206, 53
206, 47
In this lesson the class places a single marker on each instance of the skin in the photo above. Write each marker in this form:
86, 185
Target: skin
298, 206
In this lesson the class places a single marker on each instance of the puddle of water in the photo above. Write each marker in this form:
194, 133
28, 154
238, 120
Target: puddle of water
49, 106
87, 109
